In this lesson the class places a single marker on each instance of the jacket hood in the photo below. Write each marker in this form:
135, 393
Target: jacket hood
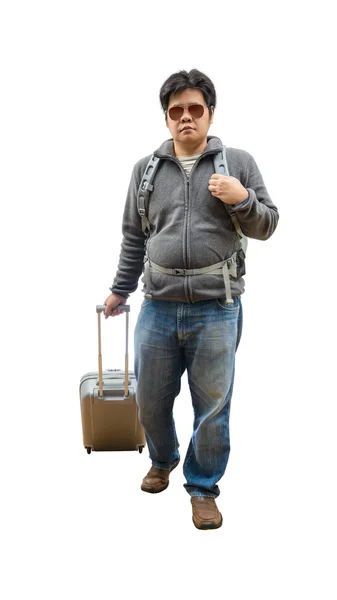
166, 149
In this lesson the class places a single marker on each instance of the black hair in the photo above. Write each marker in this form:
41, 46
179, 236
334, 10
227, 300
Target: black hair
183, 80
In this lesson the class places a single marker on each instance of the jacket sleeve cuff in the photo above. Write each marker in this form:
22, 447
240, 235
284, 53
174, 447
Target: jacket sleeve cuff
114, 291
243, 204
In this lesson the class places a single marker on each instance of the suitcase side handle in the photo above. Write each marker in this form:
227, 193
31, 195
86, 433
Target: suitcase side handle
99, 309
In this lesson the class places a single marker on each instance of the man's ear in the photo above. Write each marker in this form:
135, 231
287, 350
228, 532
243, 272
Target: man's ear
211, 114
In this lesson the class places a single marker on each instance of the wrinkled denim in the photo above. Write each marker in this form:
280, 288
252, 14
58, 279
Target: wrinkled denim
202, 338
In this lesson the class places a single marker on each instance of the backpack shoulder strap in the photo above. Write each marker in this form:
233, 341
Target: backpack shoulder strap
220, 162
221, 167
144, 190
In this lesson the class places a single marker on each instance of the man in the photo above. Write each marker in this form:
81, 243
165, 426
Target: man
190, 319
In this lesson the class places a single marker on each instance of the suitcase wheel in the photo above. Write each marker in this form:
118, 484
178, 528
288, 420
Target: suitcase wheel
140, 449
88, 449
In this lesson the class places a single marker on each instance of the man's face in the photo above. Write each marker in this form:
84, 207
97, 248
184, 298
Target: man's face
188, 130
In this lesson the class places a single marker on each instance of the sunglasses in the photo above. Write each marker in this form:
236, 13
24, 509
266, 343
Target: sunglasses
196, 111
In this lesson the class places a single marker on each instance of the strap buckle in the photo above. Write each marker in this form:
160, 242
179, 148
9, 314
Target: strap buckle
147, 187
179, 272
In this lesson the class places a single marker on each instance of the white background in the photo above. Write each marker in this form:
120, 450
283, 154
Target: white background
79, 106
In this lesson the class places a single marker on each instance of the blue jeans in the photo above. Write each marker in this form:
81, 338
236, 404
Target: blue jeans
202, 338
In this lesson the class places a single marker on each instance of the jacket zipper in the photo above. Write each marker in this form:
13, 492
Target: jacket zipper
186, 233
188, 203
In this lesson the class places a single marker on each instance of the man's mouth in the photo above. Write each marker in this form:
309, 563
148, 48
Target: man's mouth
187, 127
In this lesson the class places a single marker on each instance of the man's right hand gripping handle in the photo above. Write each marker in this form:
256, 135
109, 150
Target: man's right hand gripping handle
110, 305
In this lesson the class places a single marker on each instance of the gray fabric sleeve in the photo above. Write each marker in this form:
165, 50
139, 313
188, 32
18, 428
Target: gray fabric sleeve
131, 258
257, 215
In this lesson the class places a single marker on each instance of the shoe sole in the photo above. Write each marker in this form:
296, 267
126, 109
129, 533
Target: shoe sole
151, 490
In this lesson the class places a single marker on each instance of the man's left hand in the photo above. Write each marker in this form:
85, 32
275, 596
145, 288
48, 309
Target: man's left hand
228, 189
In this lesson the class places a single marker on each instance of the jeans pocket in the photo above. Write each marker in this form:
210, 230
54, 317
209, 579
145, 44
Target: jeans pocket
145, 303
221, 302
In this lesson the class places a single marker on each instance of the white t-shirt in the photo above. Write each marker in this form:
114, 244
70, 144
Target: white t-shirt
188, 161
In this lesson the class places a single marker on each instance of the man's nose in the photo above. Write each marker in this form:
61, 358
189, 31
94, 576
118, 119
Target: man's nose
186, 115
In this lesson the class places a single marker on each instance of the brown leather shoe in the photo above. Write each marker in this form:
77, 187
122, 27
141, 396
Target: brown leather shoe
157, 480
205, 513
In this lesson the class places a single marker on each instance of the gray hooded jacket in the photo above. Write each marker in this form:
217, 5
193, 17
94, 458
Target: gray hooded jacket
190, 228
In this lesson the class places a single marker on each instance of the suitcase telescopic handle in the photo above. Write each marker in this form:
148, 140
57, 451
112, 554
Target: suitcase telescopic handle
124, 307
99, 309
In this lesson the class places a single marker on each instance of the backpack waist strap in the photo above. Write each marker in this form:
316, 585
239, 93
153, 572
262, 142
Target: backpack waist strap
225, 268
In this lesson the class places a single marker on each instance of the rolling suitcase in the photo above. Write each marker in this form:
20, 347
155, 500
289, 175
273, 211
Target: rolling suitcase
108, 404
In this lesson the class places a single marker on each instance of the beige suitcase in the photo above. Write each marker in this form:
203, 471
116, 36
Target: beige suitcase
108, 404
